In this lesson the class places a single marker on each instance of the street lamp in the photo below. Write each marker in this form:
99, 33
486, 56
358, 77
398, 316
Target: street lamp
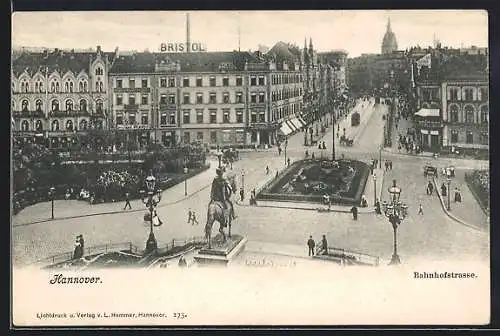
396, 212
52, 194
449, 192
375, 189
151, 198
243, 180
380, 157
186, 170
286, 145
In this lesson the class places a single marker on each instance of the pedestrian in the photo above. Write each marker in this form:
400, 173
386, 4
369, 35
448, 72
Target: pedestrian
354, 211
190, 216
156, 219
277, 172
430, 188
267, 170
311, 244
458, 196
242, 194
194, 221
288, 162
390, 165
279, 150
377, 207
324, 245
420, 209
127, 201
443, 189
182, 262
312, 156
78, 253
386, 165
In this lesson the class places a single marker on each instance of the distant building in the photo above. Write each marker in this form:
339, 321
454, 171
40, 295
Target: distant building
389, 42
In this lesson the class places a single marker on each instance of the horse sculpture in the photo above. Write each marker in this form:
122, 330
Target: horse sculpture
217, 212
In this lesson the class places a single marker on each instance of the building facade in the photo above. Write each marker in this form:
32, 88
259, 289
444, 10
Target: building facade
56, 96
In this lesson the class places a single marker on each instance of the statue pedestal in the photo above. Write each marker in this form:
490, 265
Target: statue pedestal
221, 252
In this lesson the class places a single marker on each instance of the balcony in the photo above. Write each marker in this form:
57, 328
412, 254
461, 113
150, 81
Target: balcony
167, 106
132, 90
131, 107
430, 124
72, 113
28, 114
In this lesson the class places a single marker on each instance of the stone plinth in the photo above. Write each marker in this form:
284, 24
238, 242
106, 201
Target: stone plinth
221, 252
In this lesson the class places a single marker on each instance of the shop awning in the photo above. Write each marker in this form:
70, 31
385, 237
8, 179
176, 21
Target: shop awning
424, 131
285, 129
302, 121
425, 112
296, 123
291, 125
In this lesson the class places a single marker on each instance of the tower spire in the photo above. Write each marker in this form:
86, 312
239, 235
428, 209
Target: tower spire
389, 24
239, 33
188, 37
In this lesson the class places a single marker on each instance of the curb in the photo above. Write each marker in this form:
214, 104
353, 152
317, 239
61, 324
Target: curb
450, 215
478, 200
368, 211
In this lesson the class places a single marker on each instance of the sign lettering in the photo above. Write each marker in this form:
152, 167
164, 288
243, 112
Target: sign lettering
183, 47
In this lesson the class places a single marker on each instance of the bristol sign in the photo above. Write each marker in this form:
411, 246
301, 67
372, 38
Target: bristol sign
183, 47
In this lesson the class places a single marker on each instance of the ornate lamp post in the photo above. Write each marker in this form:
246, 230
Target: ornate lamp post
186, 170
286, 145
151, 198
449, 192
396, 212
52, 194
374, 189
243, 180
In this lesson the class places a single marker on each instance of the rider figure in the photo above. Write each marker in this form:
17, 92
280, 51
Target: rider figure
221, 190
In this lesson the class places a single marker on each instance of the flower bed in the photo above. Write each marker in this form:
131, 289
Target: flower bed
479, 183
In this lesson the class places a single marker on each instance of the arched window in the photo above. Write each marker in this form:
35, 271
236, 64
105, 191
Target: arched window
25, 126
52, 87
469, 114
80, 87
22, 86
66, 86
69, 105
454, 113
39, 104
83, 105
70, 86
98, 71
57, 87
85, 87
40, 86
36, 87
55, 105
26, 87
55, 125
39, 125
25, 105
83, 124
98, 106
69, 125
484, 114
101, 87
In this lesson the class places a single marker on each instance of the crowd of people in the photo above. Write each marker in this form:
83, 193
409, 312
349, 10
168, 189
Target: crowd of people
408, 143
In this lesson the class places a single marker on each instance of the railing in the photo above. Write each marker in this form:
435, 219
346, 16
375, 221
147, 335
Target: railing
131, 107
361, 258
92, 250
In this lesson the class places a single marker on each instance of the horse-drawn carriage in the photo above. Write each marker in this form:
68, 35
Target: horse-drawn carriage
230, 155
355, 119
346, 141
430, 170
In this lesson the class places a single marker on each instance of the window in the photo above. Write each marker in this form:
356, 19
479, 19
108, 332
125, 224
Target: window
212, 81
453, 113
185, 82
131, 119
199, 98
163, 82
171, 82
213, 137
119, 100
39, 125
469, 114
25, 126
225, 116
163, 119
484, 94
261, 80
225, 81
131, 83
468, 94
199, 81
69, 105
454, 94
186, 117
144, 100
57, 87
239, 81
69, 125
239, 115
83, 124
253, 98
454, 136
253, 117
119, 83
144, 119
55, 105
98, 71
469, 138
172, 119
186, 99
98, 105
187, 137
199, 116
119, 120
24, 105
239, 97
199, 136
212, 98
225, 98
83, 105
484, 114
253, 80
40, 87
262, 97
55, 125
262, 117
171, 99
163, 99
38, 105
484, 138
144, 83
131, 100
213, 116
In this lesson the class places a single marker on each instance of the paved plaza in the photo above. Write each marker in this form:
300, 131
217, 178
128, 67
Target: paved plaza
432, 235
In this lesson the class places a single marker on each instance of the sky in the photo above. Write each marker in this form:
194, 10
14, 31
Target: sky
354, 31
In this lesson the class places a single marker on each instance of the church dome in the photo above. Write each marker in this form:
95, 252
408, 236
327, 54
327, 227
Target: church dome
389, 42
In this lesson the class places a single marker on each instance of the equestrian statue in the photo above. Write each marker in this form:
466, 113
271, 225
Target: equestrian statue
220, 208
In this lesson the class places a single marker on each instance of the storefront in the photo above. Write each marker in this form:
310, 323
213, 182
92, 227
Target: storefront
429, 129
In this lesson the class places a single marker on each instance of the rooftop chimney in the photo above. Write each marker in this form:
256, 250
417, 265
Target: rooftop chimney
188, 37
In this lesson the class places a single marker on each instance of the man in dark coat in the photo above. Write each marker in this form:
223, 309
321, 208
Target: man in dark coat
324, 245
311, 244
354, 211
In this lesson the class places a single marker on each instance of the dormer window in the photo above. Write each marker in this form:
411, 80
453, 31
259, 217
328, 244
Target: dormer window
99, 72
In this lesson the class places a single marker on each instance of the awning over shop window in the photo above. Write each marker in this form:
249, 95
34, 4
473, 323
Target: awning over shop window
302, 121
425, 112
296, 123
424, 131
285, 129
434, 132
291, 125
